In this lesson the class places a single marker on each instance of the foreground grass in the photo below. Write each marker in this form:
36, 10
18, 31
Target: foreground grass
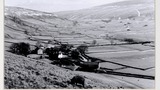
25, 73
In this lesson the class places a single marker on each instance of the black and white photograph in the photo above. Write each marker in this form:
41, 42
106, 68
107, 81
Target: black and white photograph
79, 44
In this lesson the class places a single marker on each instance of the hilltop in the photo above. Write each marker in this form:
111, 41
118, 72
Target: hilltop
18, 11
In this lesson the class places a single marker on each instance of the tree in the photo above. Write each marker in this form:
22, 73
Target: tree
52, 52
111, 41
66, 48
94, 42
20, 48
82, 48
38, 43
75, 54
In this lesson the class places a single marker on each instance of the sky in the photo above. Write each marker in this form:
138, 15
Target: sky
57, 5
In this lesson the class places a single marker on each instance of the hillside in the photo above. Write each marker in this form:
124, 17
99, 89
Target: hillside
26, 22
21, 72
123, 10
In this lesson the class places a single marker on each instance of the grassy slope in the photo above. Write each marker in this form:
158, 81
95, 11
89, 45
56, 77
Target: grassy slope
122, 9
22, 72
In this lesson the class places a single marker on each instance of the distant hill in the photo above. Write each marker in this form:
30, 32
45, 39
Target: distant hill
26, 24
20, 23
18, 11
123, 9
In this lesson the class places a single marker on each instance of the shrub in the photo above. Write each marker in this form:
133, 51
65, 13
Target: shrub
129, 40
94, 42
112, 41
78, 80
106, 21
145, 25
34, 51
26, 32
20, 48
128, 23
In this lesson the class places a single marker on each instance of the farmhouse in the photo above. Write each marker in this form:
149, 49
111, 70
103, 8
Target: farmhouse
61, 55
40, 51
